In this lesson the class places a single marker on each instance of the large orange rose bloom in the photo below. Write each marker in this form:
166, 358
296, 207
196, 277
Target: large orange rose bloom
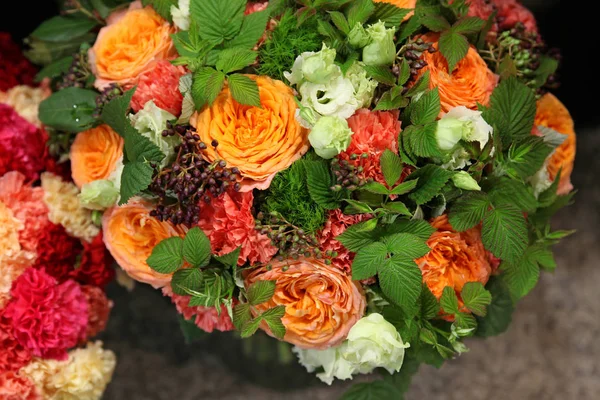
553, 114
455, 258
321, 302
127, 46
401, 4
95, 154
258, 141
470, 82
130, 234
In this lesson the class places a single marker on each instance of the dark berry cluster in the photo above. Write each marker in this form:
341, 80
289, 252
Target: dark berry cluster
292, 242
107, 94
79, 74
347, 175
191, 179
412, 53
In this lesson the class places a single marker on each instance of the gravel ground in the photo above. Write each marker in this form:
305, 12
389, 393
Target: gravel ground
550, 352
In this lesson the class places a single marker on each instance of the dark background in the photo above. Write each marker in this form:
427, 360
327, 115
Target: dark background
551, 350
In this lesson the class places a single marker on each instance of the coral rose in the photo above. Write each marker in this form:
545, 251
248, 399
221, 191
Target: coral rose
401, 4
129, 44
553, 114
95, 154
511, 12
258, 141
130, 234
321, 302
455, 258
470, 82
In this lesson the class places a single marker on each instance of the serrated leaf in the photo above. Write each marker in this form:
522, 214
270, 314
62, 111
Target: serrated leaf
427, 108
420, 86
355, 237
250, 327
360, 11
404, 74
431, 181
514, 107
357, 207
115, 112
375, 390
375, 187
504, 232
340, 21
63, 28
548, 66
428, 337
465, 322
410, 28
543, 256
406, 245
187, 278
505, 190
436, 23
449, 301
405, 187
253, 28
276, 326
167, 256
367, 261
55, 69
526, 157
381, 74
218, 20
397, 207
468, 211
391, 166
71, 109
207, 85
244, 90
273, 313
389, 101
261, 292
196, 248
135, 178
421, 140
476, 298
229, 259
235, 59
468, 25
419, 228
320, 181
499, 312
162, 7
521, 276
241, 315
454, 48
400, 281
430, 307
391, 15
218, 285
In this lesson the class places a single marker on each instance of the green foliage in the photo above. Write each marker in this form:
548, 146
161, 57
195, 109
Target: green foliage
136, 177
320, 180
260, 292
71, 110
390, 14
499, 312
186, 279
504, 232
526, 157
191, 332
196, 248
63, 28
162, 7
55, 70
449, 301
167, 256
371, 390
431, 181
476, 298
468, 211
244, 90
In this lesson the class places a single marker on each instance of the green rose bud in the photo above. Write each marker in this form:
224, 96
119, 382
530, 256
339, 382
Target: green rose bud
330, 136
358, 36
364, 86
381, 50
463, 180
99, 195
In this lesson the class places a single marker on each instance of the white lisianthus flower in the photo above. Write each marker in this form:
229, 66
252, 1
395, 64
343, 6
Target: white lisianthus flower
99, 195
333, 99
381, 50
364, 86
314, 67
150, 122
475, 129
181, 15
330, 136
371, 343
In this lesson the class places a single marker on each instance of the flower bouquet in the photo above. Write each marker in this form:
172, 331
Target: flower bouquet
368, 181
53, 263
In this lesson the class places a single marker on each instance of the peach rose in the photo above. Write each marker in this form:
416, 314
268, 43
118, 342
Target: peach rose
95, 154
401, 4
258, 141
321, 302
128, 45
130, 234
553, 114
455, 258
470, 82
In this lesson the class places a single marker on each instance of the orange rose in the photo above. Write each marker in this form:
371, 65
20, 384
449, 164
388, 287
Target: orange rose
401, 4
321, 302
258, 141
470, 82
455, 258
95, 154
128, 45
553, 114
130, 234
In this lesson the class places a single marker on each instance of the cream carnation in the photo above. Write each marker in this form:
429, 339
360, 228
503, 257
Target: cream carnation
26, 101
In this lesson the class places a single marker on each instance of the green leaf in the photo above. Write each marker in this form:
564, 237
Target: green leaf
190, 331
431, 181
515, 105
44, 53
410, 28
421, 140
320, 181
207, 85
405, 187
253, 27
241, 315
449, 301
218, 285
234, 59
229, 259
401, 380
548, 66
135, 178
196, 248
466, 322
376, 390
499, 312
273, 313
162, 7
504, 232
468, 211
139, 148
419, 228
218, 20
400, 280
357, 207
543, 256
430, 308
505, 190
115, 113
391, 15
527, 157
391, 166
63, 28
375, 187
421, 85
391, 101
428, 337
55, 69
397, 207
355, 237
244, 90
406, 245
427, 108
522, 275
468, 25
404, 74
368, 260
454, 47
340, 21
261, 292
381, 74
436, 23
70, 109
167, 256
188, 278
360, 11
250, 327
476, 298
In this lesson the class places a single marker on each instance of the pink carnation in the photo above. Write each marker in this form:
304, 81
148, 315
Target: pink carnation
336, 224
27, 205
205, 318
98, 310
482, 9
161, 84
510, 12
22, 144
229, 224
47, 318
13, 355
14, 386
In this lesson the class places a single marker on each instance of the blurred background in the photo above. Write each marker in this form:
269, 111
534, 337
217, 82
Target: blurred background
551, 350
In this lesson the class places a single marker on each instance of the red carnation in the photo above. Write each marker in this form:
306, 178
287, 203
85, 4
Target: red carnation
47, 318
15, 69
96, 264
13, 355
57, 252
511, 12
98, 310
160, 84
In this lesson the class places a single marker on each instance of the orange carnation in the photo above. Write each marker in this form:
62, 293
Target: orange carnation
401, 4
130, 234
455, 258
321, 302
258, 141
95, 154
128, 45
553, 114
470, 82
